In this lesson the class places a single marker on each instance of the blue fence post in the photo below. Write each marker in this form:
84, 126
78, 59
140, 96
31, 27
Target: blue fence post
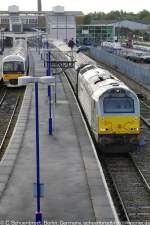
38, 214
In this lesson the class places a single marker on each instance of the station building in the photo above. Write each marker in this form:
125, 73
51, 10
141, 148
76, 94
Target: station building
129, 30
107, 30
133, 25
95, 33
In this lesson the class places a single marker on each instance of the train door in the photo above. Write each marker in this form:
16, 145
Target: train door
94, 117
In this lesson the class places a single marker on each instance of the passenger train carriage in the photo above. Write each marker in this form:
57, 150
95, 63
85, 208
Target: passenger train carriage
15, 64
111, 108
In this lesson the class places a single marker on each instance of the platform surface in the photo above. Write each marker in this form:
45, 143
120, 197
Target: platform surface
73, 187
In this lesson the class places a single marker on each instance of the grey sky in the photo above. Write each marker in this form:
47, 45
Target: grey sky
83, 5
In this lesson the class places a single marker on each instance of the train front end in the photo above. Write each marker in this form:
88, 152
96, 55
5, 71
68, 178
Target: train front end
13, 68
119, 118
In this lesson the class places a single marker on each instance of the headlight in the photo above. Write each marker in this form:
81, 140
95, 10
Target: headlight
102, 129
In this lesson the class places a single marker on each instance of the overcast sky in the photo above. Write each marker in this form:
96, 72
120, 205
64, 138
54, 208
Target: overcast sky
85, 6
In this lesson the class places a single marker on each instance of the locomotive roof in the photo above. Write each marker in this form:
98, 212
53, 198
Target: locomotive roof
105, 81
97, 81
14, 57
18, 52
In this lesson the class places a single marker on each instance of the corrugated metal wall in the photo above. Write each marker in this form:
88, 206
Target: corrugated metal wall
140, 72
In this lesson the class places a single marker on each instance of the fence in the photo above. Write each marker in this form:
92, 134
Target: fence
139, 72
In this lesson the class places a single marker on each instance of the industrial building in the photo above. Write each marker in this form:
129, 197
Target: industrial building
132, 25
61, 24
14, 20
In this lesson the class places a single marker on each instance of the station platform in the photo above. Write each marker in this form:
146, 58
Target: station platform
75, 189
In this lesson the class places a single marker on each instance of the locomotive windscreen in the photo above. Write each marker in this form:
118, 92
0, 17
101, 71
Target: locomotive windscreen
118, 105
13, 67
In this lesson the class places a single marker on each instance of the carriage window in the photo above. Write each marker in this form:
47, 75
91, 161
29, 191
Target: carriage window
118, 105
13, 67
8, 67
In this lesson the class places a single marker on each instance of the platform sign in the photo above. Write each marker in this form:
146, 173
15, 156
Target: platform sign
41, 190
63, 64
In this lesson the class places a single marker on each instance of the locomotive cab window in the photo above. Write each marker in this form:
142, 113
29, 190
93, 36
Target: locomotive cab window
13, 67
118, 105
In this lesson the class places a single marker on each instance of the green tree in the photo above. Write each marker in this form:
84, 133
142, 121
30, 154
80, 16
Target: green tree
143, 14
116, 15
79, 19
131, 16
113, 15
87, 19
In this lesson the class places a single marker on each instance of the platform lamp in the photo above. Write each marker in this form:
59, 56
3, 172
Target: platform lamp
49, 80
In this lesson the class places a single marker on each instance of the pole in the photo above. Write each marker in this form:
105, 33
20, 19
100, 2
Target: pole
49, 69
38, 214
1, 42
45, 58
39, 42
49, 93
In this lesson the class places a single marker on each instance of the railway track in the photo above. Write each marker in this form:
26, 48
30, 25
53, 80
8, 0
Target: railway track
10, 103
130, 186
2, 92
140, 161
128, 175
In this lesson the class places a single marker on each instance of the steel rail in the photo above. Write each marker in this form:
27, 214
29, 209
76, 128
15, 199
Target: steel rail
9, 123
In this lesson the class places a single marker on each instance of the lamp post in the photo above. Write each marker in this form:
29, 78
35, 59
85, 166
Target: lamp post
24, 81
38, 212
48, 73
49, 93
38, 39
1, 41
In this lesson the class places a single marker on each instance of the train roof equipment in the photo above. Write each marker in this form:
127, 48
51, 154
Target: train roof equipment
18, 52
97, 81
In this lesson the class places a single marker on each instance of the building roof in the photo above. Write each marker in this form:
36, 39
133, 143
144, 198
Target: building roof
94, 25
132, 25
146, 22
69, 13
74, 13
104, 21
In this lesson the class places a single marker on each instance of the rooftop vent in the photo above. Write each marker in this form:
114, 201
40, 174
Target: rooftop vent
114, 84
58, 9
13, 9
99, 79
